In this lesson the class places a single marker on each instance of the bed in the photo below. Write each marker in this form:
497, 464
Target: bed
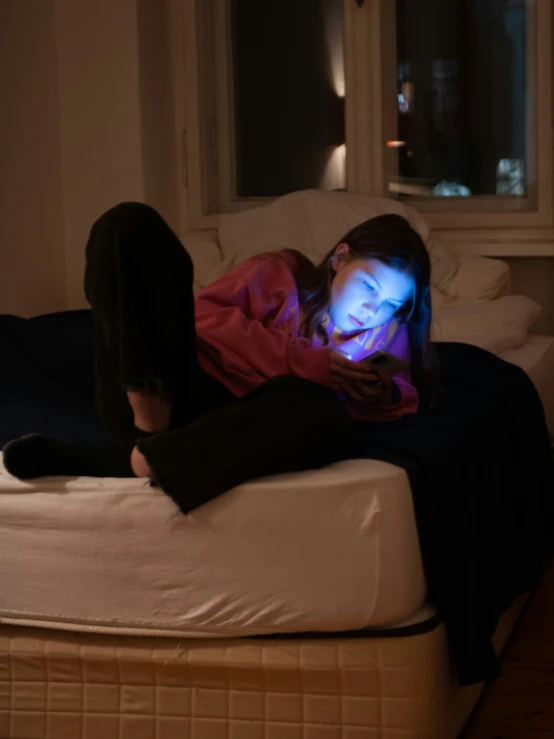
312, 626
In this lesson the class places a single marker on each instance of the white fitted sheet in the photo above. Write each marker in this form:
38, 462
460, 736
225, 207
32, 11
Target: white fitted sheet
325, 550
331, 549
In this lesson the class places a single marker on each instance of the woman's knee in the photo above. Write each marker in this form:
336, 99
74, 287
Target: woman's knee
129, 211
127, 218
132, 234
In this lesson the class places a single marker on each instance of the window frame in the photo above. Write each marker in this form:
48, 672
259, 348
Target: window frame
375, 20
206, 121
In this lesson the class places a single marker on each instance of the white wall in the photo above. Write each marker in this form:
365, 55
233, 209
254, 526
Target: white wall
99, 119
87, 121
160, 155
31, 217
117, 116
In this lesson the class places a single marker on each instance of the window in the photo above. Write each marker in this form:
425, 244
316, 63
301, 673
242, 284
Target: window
466, 123
444, 105
274, 108
288, 101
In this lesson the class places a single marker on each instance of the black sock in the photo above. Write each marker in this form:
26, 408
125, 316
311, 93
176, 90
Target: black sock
36, 455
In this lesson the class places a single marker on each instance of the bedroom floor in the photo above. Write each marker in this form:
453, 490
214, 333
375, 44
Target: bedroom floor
520, 703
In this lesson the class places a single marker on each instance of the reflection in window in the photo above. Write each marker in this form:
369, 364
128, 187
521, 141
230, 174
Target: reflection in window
461, 90
288, 64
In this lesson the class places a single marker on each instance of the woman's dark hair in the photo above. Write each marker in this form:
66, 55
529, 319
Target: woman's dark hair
392, 240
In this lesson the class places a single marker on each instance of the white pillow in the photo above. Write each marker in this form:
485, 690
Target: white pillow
214, 272
496, 325
479, 277
205, 253
313, 221
438, 298
444, 264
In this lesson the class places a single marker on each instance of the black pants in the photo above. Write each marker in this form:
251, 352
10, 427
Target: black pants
138, 281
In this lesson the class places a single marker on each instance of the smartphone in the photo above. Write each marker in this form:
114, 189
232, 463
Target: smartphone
385, 362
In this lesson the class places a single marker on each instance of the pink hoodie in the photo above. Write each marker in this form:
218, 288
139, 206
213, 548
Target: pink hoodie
248, 330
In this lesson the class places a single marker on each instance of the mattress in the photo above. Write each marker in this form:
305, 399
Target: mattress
86, 686
66, 685
114, 556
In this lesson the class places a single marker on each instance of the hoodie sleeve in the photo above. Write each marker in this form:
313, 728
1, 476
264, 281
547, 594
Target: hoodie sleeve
406, 397
246, 327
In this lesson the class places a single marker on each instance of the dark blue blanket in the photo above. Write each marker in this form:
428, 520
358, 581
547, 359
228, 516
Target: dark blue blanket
482, 478
46, 381
479, 465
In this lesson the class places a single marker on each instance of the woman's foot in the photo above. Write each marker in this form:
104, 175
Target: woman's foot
36, 455
152, 413
139, 465
29, 457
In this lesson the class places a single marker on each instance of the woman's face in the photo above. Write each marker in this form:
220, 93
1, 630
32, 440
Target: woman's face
365, 293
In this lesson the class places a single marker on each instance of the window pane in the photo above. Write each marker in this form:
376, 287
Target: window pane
463, 122
288, 60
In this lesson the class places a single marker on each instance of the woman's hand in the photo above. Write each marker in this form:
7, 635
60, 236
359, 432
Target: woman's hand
378, 391
359, 382
345, 373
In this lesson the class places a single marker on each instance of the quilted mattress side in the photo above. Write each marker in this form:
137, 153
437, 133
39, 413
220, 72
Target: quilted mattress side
57, 685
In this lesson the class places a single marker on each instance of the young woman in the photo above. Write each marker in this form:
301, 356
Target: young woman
261, 370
